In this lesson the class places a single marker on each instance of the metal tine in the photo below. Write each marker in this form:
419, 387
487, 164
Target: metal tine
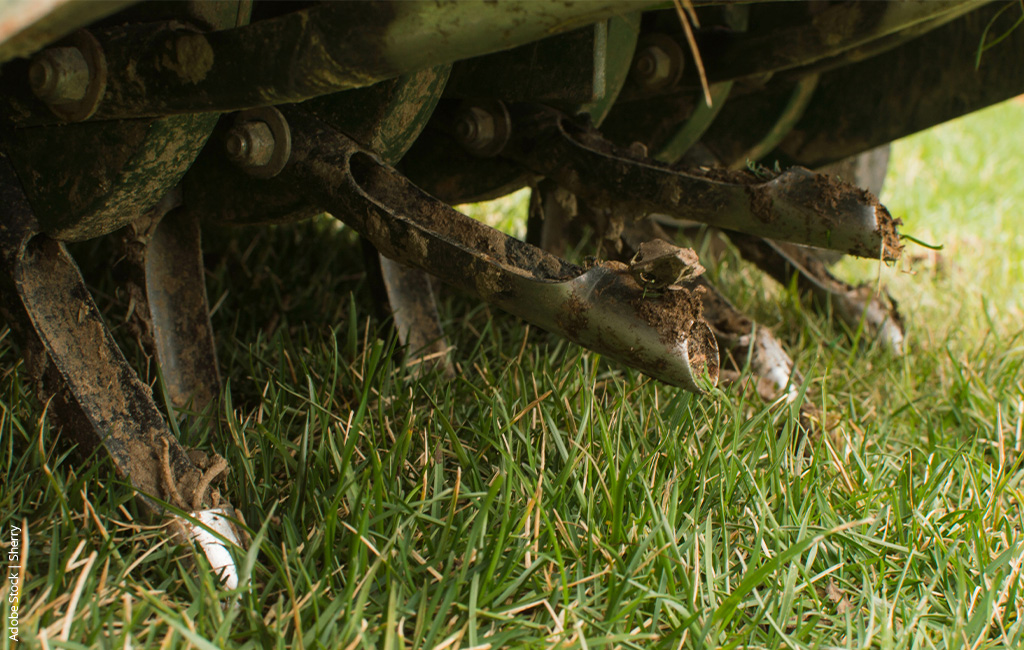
796, 205
91, 389
739, 337
406, 296
851, 305
602, 308
171, 317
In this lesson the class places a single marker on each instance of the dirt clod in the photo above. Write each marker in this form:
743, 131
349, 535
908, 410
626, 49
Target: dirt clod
673, 313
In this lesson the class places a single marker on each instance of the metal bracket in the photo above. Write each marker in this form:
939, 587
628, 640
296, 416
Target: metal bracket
46, 67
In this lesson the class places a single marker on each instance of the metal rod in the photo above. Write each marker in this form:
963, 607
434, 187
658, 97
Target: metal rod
834, 30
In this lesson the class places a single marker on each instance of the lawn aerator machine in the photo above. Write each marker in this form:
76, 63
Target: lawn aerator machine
635, 119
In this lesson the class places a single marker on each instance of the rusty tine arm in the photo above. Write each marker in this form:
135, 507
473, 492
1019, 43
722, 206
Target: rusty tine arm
95, 393
797, 205
738, 337
54, 313
602, 308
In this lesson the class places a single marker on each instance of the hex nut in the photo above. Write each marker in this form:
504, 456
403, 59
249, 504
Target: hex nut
259, 142
250, 144
482, 128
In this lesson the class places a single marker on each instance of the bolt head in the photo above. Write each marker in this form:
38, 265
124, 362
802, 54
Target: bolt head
237, 146
42, 77
250, 144
653, 67
59, 75
645, 65
466, 129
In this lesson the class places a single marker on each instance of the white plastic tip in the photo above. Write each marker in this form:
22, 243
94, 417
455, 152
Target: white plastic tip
213, 546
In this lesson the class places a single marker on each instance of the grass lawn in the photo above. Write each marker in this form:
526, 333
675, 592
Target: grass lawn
547, 497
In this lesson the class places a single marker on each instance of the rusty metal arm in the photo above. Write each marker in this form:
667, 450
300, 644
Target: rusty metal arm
91, 388
797, 205
602, 308
54, 313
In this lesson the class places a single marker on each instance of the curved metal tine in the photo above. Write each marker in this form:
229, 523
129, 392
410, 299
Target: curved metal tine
95, 394
406, 296
743, 338
602, 308
851, 305
171, 314
796, 205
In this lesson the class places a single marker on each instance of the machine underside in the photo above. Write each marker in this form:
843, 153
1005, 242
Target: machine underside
632, 120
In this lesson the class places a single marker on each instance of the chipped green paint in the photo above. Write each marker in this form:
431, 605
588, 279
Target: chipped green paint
90, 180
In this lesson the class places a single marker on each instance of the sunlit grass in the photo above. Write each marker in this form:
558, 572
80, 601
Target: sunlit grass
546, 497
961, 186
507, 214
